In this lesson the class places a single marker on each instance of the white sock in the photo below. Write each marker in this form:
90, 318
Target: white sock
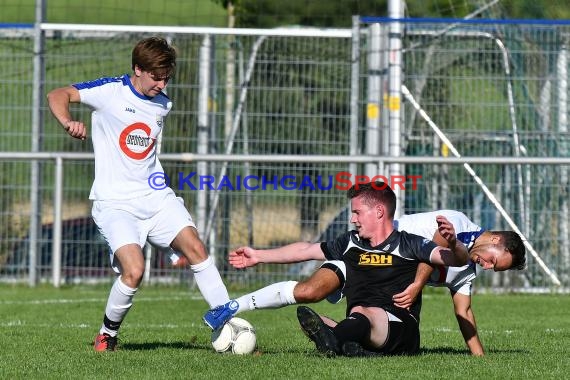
273, 296
210, 283
118, 305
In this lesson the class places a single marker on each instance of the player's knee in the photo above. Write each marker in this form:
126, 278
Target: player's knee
133, 277
355, 328
307, 293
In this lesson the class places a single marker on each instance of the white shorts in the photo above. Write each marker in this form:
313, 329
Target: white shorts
156, 218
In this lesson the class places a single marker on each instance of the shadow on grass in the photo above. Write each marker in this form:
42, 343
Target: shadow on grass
171, 345
465, 352
148, 346
443, 350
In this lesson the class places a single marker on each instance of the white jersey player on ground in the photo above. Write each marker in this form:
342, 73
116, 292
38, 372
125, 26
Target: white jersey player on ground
131, 202
457, 279
497, 250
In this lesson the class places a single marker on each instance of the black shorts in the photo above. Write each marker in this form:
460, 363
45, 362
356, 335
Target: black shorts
403, 334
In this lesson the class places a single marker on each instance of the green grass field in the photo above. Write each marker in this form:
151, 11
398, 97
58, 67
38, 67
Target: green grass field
47, 333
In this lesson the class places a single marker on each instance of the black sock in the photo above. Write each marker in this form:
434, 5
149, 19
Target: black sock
355, 328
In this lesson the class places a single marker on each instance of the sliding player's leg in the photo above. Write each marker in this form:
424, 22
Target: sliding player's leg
314, 289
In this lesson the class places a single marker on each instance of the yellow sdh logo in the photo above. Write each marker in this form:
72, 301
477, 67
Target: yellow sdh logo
375, 259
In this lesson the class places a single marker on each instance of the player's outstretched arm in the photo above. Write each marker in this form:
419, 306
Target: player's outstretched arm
245, 257
467, 325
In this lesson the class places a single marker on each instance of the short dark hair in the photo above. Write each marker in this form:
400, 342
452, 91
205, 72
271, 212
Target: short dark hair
154, 55
514, 244
373, 193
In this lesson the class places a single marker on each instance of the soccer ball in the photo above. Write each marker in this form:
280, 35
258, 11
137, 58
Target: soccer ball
236, 336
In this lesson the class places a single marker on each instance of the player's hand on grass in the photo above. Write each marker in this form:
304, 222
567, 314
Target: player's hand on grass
243, 257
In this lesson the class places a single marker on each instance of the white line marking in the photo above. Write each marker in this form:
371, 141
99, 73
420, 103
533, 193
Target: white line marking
87, 300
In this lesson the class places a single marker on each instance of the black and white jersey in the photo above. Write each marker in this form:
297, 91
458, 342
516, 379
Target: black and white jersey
375, 274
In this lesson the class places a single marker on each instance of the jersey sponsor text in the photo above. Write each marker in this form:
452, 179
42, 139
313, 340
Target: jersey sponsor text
375, 259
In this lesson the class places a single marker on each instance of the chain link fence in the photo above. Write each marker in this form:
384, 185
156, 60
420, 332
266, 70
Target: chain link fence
491, 89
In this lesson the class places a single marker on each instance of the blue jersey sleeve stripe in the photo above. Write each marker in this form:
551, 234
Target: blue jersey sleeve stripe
97, 82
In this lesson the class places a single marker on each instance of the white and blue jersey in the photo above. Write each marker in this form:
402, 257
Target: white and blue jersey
457, 279
125, 126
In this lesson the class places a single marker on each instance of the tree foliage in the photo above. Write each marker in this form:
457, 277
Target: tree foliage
273, 13
536, 9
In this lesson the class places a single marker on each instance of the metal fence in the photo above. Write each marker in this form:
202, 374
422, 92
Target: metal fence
273, 100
